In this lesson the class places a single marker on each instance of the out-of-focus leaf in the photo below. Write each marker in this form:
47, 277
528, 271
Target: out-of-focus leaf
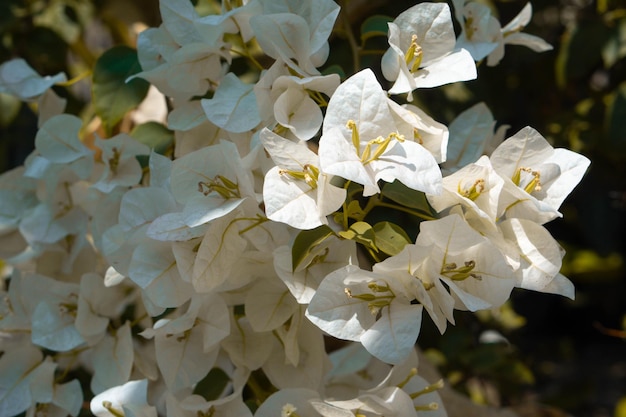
9, 108
615, 48
155, 135
335, 69
375, 26
112, 95
581, 51
212, 385
616, 128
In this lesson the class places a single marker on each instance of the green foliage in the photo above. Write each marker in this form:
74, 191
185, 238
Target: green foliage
155, 135
306, 241
374, 26
113, 96
212, 385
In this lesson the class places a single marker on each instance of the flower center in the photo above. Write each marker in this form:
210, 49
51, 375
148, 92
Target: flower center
460, 273
413, 56
374, 148
474, 191
527, 179
221, 185
376, 301
309, 174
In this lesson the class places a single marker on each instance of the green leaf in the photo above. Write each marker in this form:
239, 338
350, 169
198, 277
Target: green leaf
581, 51
375, 26
408, 197
113, 96
155, 135
306, 241
212, 385
361, 232
354, 211
616, 128
335, 69
9, 109
390, 238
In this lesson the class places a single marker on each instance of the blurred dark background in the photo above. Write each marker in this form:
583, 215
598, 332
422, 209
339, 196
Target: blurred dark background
565, 357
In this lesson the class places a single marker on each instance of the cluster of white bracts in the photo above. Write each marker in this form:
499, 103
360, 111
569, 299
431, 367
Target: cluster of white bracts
150, 279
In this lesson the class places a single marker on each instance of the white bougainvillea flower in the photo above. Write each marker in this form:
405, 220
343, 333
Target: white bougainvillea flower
289, 402
187, 346
233, 107
512, 34
121, 167
295, 101
181, 72
540, 257
373, 308
476, 188
471, 136
479, 29
126, 400
448, 251
295, 191
296, 30
20, 80
537, 177
422, 50
360, 141
331, 254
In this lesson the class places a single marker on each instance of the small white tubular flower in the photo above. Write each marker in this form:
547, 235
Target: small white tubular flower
476, 188
537, 177
422, 50
373, 308
479, 29
512, 34
127, 400
361, 143
295, 191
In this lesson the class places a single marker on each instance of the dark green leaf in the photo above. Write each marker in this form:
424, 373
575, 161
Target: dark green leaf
155, 135
581, 51
616, 115
335, 69
306, 241
408, 197
212, 385
390, 238
375, 26
113, 96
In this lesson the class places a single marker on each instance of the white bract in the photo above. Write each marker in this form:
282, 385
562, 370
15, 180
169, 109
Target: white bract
422, 50
361, 143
